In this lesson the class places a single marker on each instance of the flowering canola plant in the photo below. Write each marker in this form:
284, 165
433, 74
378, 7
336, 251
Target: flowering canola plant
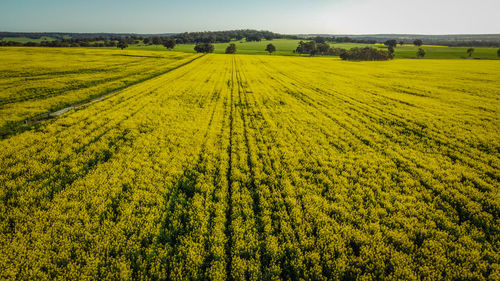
264, 168
36, 81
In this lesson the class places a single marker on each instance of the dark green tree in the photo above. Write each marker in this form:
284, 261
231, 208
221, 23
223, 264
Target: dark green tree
391, 43
231, 49
156, 40
271, 48
169, 43
418, 42
391, 50
122, 45
498, 52
254, 37
420, 53
323, 48
470, 51
319, 39
307, 48
268, 37
204, 48
367, 53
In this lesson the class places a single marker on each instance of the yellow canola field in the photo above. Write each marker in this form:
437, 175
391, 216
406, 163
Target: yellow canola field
237, 167
34, 81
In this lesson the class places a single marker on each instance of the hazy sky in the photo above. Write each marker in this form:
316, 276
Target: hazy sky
292, 16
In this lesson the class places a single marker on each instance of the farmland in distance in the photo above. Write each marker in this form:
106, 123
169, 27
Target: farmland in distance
232, 167
286, 47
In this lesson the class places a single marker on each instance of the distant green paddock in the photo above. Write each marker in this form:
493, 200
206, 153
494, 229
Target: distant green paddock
285, 47
443, 52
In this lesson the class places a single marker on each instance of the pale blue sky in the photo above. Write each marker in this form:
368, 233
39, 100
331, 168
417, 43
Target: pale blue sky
292, 16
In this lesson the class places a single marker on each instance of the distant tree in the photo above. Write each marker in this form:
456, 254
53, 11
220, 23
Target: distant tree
110, 43
32, 44
418, 42
129, 40
470, 51
271, 49
420, 53
156, 40
169, 43
122, 45
254, 37
351, 40
204, 48
323, 48
307, 48
391, 43
231, 49
401, 43
498, 52
391, 50
367, 53
268, 37
319, 39
331, 39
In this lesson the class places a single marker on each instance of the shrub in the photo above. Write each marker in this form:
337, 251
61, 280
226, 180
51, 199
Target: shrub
367, 53
470, 51
270, 48
204, 48
122, 45
420, 53
231, 49
307, 48
391, 50
418, 42
169, 43
391, 43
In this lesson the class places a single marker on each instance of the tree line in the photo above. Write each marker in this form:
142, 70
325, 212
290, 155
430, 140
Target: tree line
227, 36
344, 39
313, 48
61, 36
62, 43
324, 49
